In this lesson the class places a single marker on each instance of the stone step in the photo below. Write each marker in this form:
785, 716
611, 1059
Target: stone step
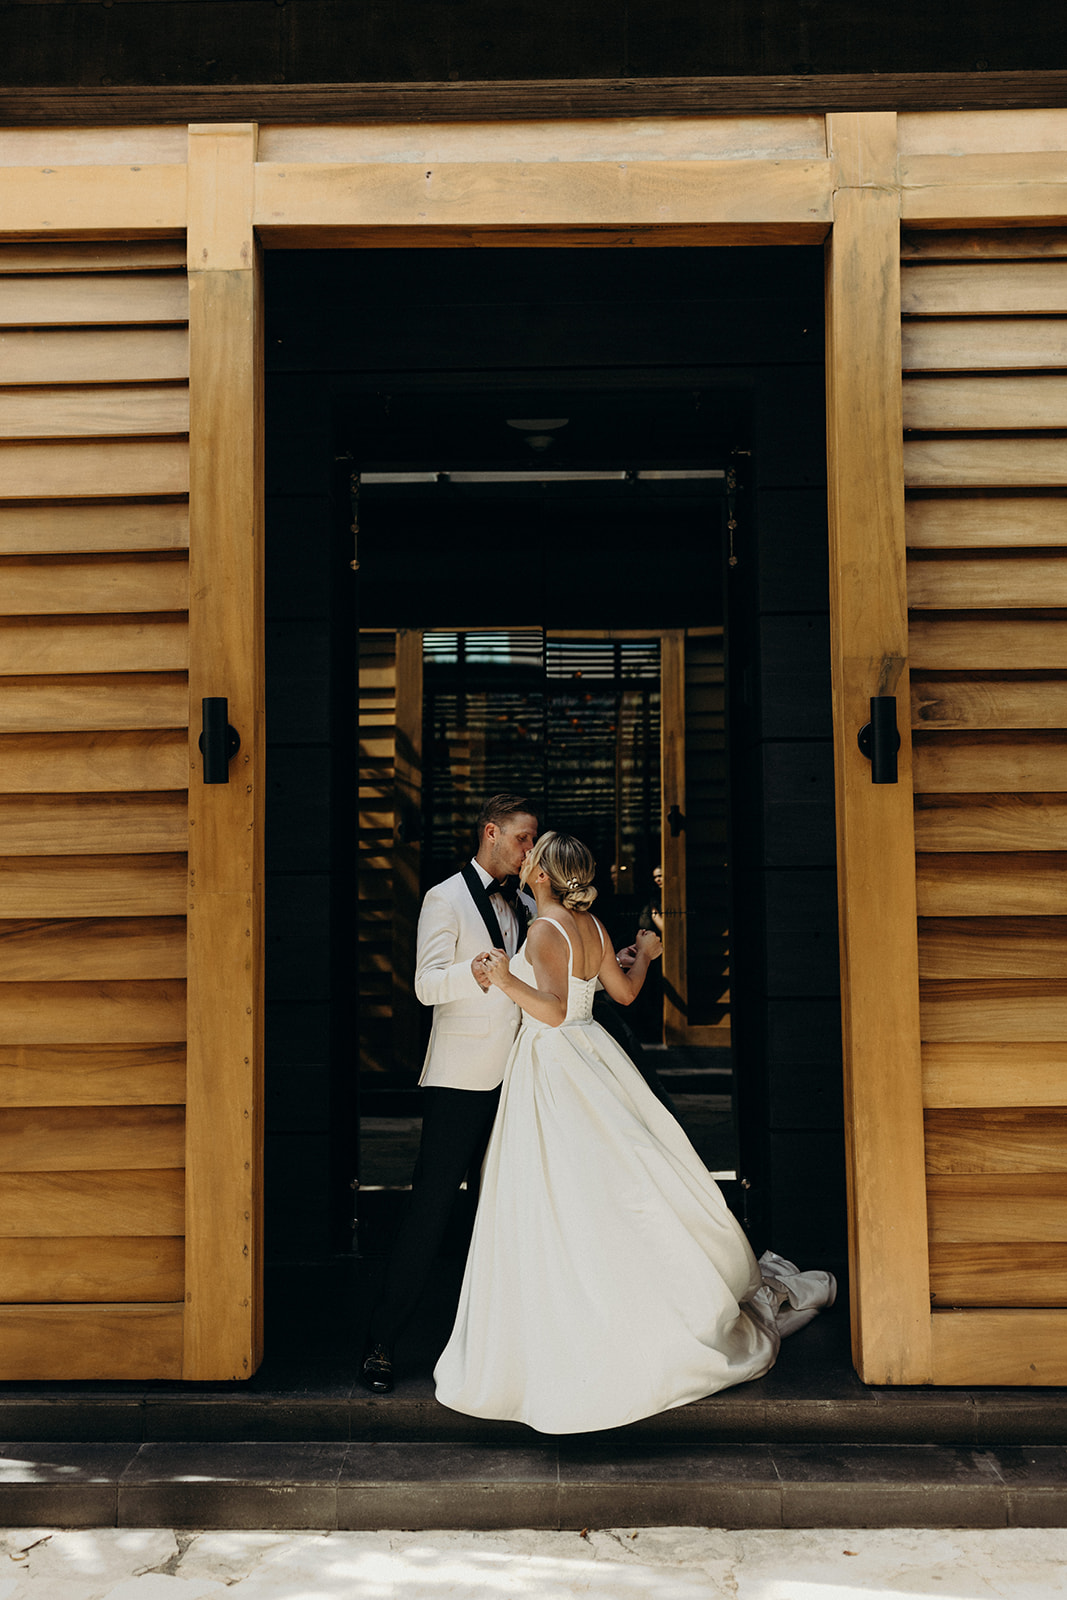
578, 1483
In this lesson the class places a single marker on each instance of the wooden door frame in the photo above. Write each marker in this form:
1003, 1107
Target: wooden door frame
319, 188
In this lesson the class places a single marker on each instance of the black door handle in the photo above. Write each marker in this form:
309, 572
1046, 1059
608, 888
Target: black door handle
218, 743
879, 739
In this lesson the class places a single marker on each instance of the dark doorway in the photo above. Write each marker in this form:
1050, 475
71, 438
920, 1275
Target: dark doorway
660, 360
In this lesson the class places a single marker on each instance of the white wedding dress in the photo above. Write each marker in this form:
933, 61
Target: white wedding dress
606, 1280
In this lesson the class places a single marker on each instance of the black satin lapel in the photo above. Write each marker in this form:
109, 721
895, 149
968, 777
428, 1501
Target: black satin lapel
481, 899
523, 914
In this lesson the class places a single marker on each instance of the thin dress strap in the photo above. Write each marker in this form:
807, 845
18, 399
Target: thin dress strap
566, 935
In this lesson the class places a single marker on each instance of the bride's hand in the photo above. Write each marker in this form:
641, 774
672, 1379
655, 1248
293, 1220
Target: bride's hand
495, 966
650, 941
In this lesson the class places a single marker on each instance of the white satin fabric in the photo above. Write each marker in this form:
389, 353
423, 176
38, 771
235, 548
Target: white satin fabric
607, 1280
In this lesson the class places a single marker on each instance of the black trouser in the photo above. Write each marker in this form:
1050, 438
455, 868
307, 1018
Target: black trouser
456, 1124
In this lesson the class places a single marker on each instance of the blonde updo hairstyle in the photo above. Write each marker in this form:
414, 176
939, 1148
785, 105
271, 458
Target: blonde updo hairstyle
570, 868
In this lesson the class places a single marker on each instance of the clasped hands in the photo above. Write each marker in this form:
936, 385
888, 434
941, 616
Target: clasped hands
489, 967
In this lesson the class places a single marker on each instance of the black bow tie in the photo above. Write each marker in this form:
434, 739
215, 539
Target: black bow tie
508, 890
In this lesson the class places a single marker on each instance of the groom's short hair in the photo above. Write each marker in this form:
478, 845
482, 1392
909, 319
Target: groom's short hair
498, 808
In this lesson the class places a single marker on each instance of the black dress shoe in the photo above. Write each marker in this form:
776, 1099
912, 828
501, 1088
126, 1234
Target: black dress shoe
376, 1370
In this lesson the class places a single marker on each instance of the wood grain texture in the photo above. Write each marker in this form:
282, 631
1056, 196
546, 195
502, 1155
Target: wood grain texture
935, 131
93, 469
963, 404
978, 521
949, 463
1015, 1274
999, 1207
136, 1012
1007, 885
1008, 1140
90, 1075
68, 704
999, 1347
969, 823
869, 650
91, 1341
98, 255
92, 948
1007, 189
473, 194
1014, 582
36, 357
80, 412
68, 1205
88, 1138
983, 244
998, 947
982, 288
987, 703
988, 644
994, 1073
971, 344
80, 824
76, 763
990, 762
76, 1270
223, 1320
995, 1009
93, 527
69, 585
123, 299
92, 886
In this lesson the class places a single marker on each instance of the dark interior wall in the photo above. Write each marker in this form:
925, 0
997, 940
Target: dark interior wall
376, 345
166, 42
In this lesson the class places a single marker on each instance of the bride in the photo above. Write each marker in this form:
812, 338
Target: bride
607, 1280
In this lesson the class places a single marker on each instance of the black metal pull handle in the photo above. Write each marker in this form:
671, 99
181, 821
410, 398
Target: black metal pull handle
219, 743
879, 739
675, 821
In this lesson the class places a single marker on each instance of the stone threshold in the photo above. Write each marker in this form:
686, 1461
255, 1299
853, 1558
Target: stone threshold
569, 1484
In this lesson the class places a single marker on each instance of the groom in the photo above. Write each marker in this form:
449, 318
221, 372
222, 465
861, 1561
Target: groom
474, 1027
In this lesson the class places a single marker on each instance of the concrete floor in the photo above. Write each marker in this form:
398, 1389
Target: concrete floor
603, 1563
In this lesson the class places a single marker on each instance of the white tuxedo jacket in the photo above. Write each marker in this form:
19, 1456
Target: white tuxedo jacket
473, 1031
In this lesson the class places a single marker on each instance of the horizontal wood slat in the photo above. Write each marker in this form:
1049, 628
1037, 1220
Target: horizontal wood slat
112, 411
87, 1138
999, 1347
1016, 1009
989, 762
93, 526
986, 644
149, 1012
69, 585
72, 301
964, 404
1015, 582
91, 1341
998, 947
89, 948
43, 1271
92, 1075
982, 288
93, 886
59, 763
994, 1073
1020, 1140
1024, 462
152, 643
983, 244
79, 824
66, 704
95, 146
94, 255
1016, 1274
965, 344
978, 521
998, 1208
66, 1205
33, 357
985, 703
991, 885
92, 469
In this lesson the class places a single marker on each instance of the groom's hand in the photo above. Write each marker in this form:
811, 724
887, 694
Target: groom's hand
481, 972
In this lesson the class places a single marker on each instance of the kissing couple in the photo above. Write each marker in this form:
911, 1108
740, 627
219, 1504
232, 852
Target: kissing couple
606, 1280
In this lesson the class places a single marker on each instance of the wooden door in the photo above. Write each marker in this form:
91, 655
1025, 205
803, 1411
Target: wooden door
129, 1119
